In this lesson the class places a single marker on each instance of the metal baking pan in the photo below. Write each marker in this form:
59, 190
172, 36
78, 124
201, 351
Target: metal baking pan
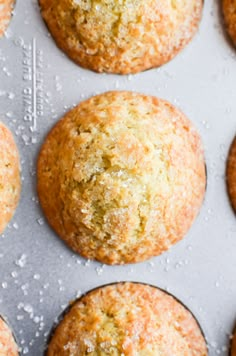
39, 275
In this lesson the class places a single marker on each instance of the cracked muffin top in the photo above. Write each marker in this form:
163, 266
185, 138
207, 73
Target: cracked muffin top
9, 176
229, 10
127, 319
8, 345
121, 177
121, 36
6, 7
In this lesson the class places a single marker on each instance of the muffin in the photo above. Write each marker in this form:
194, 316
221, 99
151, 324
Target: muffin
8, 345
6, 7
9, 176
121, 36
233, 345
121, 177
229, 11
231, 174
127, 319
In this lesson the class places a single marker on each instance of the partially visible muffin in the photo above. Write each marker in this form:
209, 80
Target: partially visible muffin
231, 174
9, 176
121, 36
122, 177
233, 345
229, 11
127, 319
6, 7
8, 345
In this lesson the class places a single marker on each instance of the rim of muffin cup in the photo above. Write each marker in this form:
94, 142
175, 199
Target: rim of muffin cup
70, 305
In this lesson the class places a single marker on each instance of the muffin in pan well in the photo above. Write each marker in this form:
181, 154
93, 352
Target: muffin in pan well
121, 177
231, 174
8, 345
127, 319
6, 7
10, 184
121, 36
229, 11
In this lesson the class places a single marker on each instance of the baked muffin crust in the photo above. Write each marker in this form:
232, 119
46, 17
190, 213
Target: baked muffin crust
121, 36
231, 174
121, 177
233, 345
8, 345
6, 7
127, 319
9, 176
229, 11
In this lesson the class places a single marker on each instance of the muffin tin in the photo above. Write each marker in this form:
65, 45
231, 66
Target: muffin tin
39, 275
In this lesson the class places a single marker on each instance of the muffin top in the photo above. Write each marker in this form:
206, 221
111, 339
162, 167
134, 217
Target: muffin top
229, 10
121, 177
6, 7
121, 36
231, 174
9, 176
8, 345
127, 319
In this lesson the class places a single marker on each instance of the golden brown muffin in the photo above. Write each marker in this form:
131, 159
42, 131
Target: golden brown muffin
127, 319
8, 345
6, 7
9, 176
229, 11
121, 177
231, 174
121, 36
